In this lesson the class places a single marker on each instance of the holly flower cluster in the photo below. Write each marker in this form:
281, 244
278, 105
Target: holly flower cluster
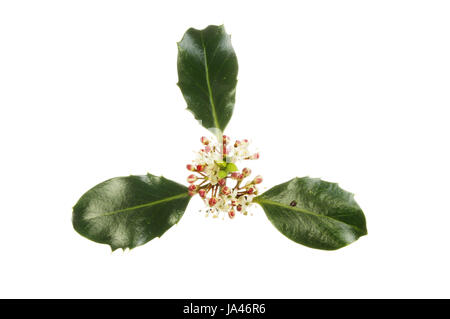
218, 181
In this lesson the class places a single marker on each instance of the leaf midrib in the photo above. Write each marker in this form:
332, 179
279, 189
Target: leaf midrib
167, 199
208, 84
273, 203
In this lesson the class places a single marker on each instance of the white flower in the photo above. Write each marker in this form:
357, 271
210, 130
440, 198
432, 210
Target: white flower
212, 164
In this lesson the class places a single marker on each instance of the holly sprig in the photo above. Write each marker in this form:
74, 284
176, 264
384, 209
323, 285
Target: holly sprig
126, 212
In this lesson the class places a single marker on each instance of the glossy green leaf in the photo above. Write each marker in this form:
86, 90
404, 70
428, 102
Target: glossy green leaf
125, 212
314, 213
207, 75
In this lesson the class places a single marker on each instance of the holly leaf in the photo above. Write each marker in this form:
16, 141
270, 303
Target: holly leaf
126, 212
207, 71
314, 213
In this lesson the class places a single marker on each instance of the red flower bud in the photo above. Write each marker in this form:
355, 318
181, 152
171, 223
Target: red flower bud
222, 182
200, 168
258, 179
204, 140
212, 201
235, 175
226, 190
231, 214
202, 193
190, 167
192, 178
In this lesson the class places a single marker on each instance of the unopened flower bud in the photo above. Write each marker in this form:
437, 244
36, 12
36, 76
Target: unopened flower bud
200, 168
246, 171
239, 208
250, 191
258, 179
192, 187
190, 167
202, 193
235, 175
192, 178
231, 214
226, 190
254, 156
204, 140
212, 201
222, 182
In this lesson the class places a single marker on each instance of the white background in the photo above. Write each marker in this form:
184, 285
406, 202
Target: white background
355, 92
